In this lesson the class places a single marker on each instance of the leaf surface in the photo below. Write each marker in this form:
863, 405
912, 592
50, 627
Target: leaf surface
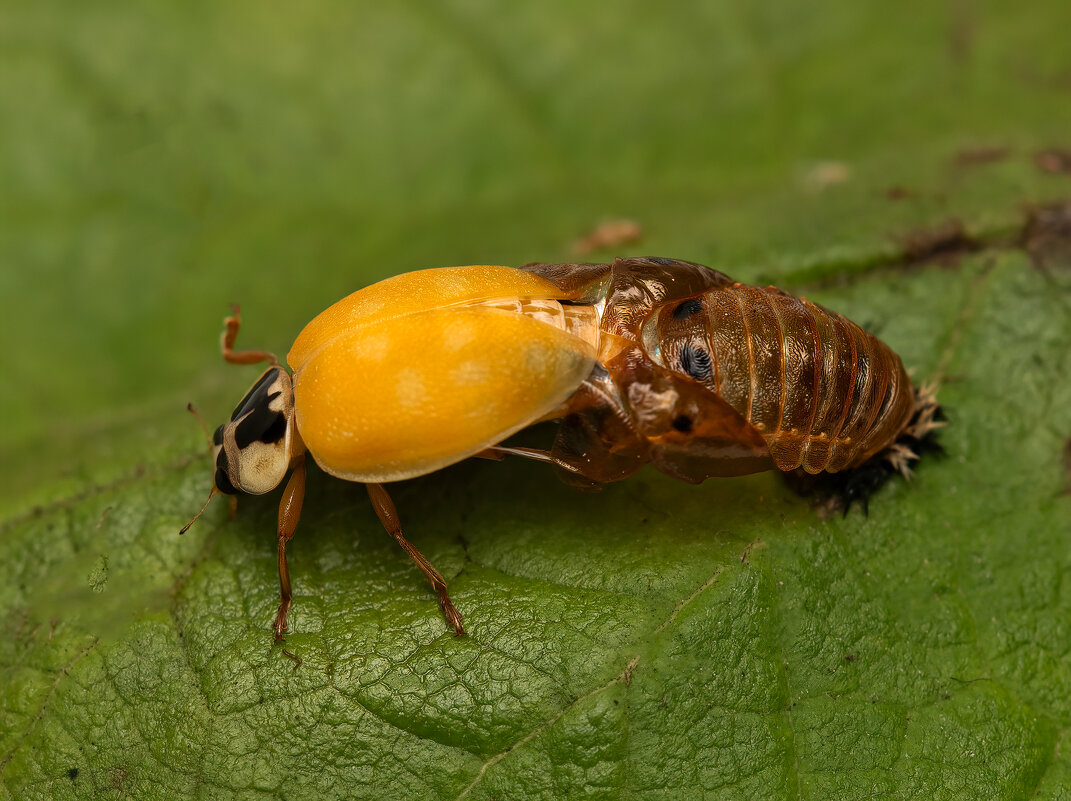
906, 166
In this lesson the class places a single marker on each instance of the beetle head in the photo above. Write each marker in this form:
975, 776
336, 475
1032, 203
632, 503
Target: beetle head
251, 452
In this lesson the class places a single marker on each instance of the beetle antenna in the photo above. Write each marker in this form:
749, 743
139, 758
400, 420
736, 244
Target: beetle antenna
204, 426
211, 495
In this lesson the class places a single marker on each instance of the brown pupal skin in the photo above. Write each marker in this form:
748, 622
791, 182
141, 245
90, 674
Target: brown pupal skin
704, 376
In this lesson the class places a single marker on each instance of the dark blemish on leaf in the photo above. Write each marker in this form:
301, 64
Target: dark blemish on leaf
1046, 237
1067, 467
898, 193
944, 244
849, 657
1055, 160
745, 556
608, 235
72, 774
961, 30
683, 423
977, 156
117, 777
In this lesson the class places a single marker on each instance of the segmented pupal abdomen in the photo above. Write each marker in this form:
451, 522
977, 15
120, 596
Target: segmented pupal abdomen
824, 394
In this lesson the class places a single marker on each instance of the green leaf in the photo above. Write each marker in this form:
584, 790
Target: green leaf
905, 164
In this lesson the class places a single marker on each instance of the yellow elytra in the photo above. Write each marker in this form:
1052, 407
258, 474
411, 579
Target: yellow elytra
427, 368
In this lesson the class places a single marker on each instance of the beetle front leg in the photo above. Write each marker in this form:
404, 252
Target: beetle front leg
226, 343
289, 514
388, 516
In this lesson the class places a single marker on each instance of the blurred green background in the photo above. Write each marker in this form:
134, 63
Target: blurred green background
908, 164
163, 160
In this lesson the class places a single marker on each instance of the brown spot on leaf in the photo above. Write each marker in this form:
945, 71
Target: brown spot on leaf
117, 778
824, 174
1047, 235
899, 193
961, 30
976, 156
1067, 467
944, 244
608, 235
1055, 160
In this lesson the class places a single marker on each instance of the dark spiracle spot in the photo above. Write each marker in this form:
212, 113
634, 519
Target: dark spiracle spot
695, 361
683, 423
687, 309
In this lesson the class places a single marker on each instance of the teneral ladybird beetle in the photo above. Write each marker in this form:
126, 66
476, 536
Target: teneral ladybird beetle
644, 360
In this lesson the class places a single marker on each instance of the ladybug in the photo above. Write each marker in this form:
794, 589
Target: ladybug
400, 379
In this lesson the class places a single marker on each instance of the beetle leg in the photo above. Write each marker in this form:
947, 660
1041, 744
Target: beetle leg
500, 452
388, 516
226, 343
289, 514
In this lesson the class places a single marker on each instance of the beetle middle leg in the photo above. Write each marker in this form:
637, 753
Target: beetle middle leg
388, 516
226, 343
500, 452
289, 514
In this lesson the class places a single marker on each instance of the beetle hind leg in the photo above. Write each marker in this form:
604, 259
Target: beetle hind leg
388, 516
